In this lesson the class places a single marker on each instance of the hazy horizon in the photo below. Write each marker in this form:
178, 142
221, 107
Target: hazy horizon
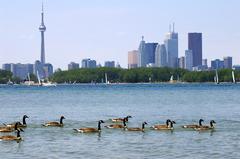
104, 30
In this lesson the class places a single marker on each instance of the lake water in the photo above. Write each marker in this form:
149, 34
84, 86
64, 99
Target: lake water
84, 105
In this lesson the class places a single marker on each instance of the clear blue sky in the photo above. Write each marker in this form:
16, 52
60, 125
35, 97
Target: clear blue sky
108, 29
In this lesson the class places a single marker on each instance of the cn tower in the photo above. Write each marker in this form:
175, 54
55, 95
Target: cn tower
42, 29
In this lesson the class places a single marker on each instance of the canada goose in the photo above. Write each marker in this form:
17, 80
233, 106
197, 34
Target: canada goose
20, 125
162, 126
9, 129
90, 130
117, 126
121, 119
205, 127
169, 127
194, 125
136, 129
12, 138
54, 123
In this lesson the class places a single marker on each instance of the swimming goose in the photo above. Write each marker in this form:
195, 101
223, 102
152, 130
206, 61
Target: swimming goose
117, 126
90, 130
194, 125
54, 123
162, 126
20, 125
9, 129
12, 138
205, 127
169, 127
121, 119
136, 129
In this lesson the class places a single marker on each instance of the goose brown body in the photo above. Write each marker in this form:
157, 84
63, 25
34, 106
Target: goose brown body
206, 127
121, 119
162, 126
12, 138
54, 123
193, 126
169, 127
136, 129
90, 130
20, 125
117, 126
7, 129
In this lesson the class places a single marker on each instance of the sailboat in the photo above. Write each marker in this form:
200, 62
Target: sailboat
216, 80
233, 77
9, 82
28, 82
172, 80
106, 79
45, 84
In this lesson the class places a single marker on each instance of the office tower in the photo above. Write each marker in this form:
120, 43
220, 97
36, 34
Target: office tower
38, 69
146, 53
204, 62
109, 64
171, 44
19, 70
227, 62
217, 64
42, 29
73, 66
160, 56
188, 60
48, 70
132, 59
88, 63
195, 44
181, 62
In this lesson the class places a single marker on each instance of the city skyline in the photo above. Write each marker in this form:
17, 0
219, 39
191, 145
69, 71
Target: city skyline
115, 41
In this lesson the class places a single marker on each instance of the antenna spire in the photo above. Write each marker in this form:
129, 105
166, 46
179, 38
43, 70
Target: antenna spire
173, 27
170, 28
142, 38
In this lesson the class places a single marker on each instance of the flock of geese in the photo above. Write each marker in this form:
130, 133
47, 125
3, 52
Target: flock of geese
18, 127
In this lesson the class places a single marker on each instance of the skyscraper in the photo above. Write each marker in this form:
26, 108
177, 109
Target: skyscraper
188, 60
217, 64
160, 56
227, 62
195, 44
73, 66
171, 43
88, 63
42, 29
132, 59
146, 53
181, 62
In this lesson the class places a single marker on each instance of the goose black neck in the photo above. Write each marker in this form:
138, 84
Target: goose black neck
16, 125
143, 126
61, 120
24, 120
124, 123
211, 124
200, 122
126, 119
99, 125
171, 124
18, 133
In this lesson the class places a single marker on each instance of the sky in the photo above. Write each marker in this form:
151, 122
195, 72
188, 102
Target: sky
107, 29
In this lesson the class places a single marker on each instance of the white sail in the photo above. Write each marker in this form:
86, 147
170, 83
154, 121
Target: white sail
39, 80
106, 79
216, 78
233, 77
171, 79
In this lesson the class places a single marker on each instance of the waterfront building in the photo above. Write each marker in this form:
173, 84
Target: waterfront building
217, 64
236, 67
146, 53
132, 59
204, 62
189, 60
160, 56
19, 70
181, 62
171, 44
73, 66
195, 44
89, 63
227, 62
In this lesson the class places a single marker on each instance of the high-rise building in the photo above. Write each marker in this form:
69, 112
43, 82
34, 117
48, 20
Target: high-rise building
227, 62
195, 44
88, 63
132, 59
160, 56
109, 64
217, 64
188, 60
171, 43
204, 62
73, 66
42, 29
19, 70
146, 53
181, 62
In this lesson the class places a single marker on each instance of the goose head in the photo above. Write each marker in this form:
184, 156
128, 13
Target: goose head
25, 116
200, 122
212, 122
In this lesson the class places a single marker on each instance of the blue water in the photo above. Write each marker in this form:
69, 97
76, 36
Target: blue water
84, 105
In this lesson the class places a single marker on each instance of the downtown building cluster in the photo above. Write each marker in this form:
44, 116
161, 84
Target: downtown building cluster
166, 54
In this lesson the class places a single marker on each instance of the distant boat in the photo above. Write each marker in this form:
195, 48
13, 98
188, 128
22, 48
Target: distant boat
29, 82
172, 80
233, 77
45, 84
216, 80
106, 79
9, 82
